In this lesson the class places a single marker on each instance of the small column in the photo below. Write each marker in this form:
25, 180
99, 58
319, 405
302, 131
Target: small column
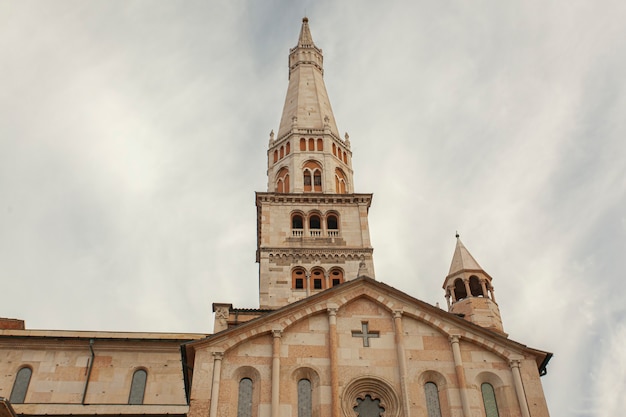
452, 294
493, 294
484, 287
327, 279
397, 319
215, 387
308, 283
448, 299
519, 387
276, 373
467, 288
460, 374
334, 372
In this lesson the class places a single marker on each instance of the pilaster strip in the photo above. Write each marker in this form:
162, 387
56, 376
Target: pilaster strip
334, 372
276, 334
460, 374
519, 387
215, 387
397, 318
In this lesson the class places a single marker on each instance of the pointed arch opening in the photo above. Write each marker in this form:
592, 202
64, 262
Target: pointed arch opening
275, 156
282, 152
334, 149
320, 145
340, 181
282, 181
311, 144
312, 175
317, 180
287, 148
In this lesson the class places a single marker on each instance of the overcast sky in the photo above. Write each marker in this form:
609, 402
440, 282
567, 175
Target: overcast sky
133, 136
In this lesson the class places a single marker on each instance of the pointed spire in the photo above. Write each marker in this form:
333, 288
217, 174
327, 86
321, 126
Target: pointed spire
305, 40
307, 106
462, 259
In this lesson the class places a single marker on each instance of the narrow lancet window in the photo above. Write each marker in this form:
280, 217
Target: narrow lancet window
432, 399
489, 400
20, 386
305, 403
244, 401
138, 387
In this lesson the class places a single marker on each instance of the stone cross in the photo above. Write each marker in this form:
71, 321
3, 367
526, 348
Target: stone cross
365, 334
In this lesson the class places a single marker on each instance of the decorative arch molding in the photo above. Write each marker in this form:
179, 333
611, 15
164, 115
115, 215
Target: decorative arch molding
432, 376
307, 372
390, 305
376, 388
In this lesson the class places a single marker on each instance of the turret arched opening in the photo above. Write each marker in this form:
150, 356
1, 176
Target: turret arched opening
475, 287
459, 289
282, 181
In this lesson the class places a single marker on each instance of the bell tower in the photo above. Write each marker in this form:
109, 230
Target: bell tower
312, 228
469, 291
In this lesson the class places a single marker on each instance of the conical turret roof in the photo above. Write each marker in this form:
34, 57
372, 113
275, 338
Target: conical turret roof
462, 259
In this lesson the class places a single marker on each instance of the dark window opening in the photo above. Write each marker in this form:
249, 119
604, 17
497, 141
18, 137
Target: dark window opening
331, 221
336, 281
315, 223
299, 283
317, 284
297, 222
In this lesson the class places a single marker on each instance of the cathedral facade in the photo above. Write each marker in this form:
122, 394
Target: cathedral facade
328, 339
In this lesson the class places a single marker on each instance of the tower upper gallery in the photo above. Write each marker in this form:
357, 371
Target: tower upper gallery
308, 154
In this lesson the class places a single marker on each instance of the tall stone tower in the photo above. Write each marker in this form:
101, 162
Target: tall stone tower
469, 291
313, 231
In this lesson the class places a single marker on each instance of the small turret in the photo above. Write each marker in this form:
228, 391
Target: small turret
469, 291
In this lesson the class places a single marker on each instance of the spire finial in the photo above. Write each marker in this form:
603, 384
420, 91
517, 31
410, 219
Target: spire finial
457, 234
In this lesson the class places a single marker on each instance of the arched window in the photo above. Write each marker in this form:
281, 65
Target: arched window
332, 222
432, 399
475, 287
244, 400
302, 144
320, 145
287, 148
334, 149
311, 144
20, 386
336, 277
282, 152
315, 222
312, 176
275, 156
317, 180
298, 277
297, 222
340, 181
345, 157
307, 180
459, 289
282, 181
138, 387
317, 279
489, 400
305, 403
